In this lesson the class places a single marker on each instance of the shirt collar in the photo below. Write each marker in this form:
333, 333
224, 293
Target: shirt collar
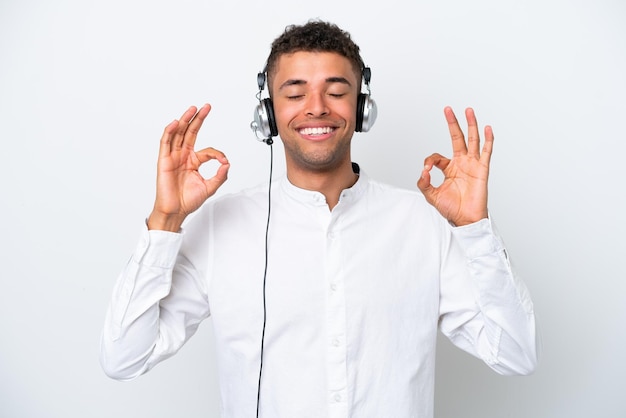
316, 198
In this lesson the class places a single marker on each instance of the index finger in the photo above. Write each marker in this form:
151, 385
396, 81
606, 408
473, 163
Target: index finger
458, 140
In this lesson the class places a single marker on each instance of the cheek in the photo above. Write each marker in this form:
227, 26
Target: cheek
347, 111
285, 113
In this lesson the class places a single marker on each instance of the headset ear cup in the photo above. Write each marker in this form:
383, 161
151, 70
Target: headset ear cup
366, 113
360, 106
264, 123
271, 120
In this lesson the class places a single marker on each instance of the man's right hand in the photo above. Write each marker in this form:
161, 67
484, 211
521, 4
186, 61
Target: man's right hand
181, 189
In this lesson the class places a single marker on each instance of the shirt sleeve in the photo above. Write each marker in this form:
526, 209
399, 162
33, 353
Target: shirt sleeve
157, 304
485, 309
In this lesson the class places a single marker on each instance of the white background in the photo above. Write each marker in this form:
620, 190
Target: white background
86, 88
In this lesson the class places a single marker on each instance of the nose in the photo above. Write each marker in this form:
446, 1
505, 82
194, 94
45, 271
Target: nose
316, 105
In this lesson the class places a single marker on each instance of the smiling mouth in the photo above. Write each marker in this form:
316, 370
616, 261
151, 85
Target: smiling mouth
316, 131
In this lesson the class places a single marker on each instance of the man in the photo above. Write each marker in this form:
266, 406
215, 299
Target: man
359, 275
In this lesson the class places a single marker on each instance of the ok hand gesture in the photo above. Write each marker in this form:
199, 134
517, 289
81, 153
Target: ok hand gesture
181, 189
462, 197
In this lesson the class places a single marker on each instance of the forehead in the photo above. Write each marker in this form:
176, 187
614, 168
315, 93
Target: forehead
311, 66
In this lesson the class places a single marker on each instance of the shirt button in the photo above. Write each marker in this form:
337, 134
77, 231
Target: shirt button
337, 397
336, 342
333, 287
331, 235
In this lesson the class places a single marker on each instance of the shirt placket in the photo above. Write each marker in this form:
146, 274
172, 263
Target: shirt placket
336, 324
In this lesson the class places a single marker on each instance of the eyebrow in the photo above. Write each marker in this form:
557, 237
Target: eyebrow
329, 80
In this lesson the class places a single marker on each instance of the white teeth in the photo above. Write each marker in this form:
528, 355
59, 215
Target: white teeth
316, 131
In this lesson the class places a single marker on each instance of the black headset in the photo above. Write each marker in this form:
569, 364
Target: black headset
264, 123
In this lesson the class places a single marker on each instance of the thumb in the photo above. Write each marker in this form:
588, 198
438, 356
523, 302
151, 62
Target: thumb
424, 184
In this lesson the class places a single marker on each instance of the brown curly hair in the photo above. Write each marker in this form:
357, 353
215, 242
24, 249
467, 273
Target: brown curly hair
315, 36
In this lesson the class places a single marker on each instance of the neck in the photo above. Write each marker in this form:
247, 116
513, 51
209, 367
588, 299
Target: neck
329, 183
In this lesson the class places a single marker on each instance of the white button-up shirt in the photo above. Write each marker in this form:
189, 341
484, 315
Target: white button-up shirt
354, 299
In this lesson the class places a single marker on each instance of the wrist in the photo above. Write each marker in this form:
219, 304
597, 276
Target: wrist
468, 220
164, 222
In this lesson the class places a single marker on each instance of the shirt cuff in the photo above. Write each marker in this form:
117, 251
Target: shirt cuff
478, 239
158, 248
